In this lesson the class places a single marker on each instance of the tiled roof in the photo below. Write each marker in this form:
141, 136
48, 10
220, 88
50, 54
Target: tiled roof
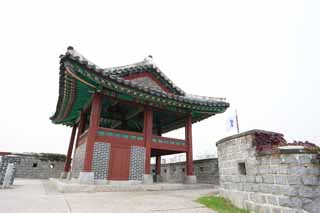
117, 73
79, 77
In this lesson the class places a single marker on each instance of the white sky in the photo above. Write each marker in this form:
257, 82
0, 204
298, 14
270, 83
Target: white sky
263, 56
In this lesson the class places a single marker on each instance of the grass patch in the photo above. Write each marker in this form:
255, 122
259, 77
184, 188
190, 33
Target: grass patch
220, 205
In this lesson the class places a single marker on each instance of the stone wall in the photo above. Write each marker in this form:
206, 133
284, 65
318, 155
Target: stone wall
4, 161
39, 166
77, 164
282, 181
137, 157
206, 171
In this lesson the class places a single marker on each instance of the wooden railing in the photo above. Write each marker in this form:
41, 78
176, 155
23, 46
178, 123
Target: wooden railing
165, 140
120, 134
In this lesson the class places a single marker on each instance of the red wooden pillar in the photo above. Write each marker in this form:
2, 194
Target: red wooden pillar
158, 158
68, 158
158, 164
147, 131
188, 132
92, 131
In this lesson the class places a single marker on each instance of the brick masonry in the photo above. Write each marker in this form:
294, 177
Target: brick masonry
100, 161
206, 170
278, 182
78, 160
137, 157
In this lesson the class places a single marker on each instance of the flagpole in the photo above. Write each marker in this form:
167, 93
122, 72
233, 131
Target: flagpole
237, 122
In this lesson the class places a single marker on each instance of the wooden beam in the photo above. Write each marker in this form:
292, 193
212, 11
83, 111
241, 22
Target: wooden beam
128, 117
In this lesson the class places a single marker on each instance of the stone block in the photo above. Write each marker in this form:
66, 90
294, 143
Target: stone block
273, 169
297, 170
273, 200
249, 205
291, 202
312, 170
313, 207
159, 178
276, 210
259, 179
147, 179
251, 179
289, 159
281, 179
265, 160
190, 179
86, 178
255, 187
257, 198
275, 160
247, 187
310, 180
306, 192
64, 175
289, 190
243, 178
294, 180
235, 178
268, 178
305, 159
263, 169
283, 169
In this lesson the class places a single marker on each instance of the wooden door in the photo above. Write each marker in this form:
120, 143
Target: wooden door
119, 163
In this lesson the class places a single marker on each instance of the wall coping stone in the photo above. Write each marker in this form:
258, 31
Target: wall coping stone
184, 162
242, 134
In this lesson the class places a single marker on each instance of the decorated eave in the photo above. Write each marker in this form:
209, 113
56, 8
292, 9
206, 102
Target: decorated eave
80, 78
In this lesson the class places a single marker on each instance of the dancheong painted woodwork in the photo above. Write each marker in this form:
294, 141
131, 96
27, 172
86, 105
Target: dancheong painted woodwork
129, 108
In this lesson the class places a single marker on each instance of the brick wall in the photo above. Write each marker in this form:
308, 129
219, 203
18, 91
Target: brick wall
274, 182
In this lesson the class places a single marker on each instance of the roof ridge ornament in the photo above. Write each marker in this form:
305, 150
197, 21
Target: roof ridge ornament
149, 59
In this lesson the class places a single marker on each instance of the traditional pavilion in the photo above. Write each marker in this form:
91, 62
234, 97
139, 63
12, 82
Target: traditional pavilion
118, 116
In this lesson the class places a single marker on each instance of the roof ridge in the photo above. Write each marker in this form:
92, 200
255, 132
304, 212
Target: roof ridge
141, 63
116, 70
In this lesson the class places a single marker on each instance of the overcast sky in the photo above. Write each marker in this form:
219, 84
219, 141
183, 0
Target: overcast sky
263, 56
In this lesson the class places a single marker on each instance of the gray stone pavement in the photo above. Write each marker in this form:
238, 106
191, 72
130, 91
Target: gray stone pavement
33, 196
